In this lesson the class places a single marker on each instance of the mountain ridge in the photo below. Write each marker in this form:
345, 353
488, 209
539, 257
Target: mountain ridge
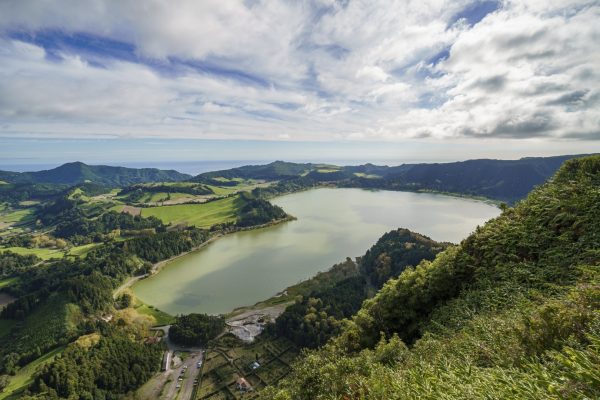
76, 172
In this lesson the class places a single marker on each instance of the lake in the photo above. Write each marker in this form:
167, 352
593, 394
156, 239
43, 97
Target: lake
246, 267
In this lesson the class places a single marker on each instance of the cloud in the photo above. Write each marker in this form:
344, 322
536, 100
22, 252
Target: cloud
308, 70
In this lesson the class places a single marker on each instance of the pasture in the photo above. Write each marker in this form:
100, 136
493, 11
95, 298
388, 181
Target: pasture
202, 215
43, 253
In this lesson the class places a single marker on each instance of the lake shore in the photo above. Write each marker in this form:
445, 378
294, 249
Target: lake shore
157, 267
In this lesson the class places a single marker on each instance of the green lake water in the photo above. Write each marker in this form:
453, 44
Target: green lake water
246, 267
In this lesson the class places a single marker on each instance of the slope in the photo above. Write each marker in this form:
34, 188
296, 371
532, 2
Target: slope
511, 312
78, 172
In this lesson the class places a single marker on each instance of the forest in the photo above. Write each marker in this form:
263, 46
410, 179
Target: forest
196, 329
316, 317
511, 312
515, 303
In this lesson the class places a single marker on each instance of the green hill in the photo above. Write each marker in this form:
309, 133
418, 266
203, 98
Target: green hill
273, 171
504, 180
511, 312
78, 172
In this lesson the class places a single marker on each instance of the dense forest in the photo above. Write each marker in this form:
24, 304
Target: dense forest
196, 329
511, 312
103, 367
313, 319
502, 180
257, 211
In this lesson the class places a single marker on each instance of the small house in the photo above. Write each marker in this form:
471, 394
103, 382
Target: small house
243, 385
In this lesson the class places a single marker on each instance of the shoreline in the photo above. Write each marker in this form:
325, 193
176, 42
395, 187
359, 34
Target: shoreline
158, 266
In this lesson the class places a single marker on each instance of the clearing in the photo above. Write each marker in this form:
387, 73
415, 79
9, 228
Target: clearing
202, 215
44, 254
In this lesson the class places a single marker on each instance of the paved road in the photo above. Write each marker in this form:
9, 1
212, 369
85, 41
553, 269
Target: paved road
187, 378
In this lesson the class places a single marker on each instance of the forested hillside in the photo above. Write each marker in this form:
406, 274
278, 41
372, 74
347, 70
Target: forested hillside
503, 180
316, 317
511, 312
78, 172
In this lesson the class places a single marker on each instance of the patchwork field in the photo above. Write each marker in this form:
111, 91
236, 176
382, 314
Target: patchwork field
231, 359
202, 215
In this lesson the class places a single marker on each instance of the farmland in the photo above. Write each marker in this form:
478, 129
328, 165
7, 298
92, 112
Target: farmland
231, 359
200, 215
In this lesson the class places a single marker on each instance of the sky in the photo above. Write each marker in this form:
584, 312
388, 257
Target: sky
427, 80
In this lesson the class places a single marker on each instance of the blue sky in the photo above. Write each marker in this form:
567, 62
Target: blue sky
427, 80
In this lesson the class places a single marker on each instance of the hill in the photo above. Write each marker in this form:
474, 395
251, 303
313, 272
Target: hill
503, 180
511, 312
273, 171
78, 172
506, 180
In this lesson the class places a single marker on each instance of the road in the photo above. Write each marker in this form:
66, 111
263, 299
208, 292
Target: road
187, 383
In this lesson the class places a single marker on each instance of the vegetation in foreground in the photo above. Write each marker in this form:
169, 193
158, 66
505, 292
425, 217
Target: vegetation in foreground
511, 312
194, 330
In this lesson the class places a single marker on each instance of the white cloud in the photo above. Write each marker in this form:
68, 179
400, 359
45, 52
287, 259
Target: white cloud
309, 70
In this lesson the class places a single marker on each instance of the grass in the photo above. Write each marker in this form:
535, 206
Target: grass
7, 282
201, 215
82, 250
28, 203
368, 176
21, 216
118, 208
44, 254
24, 377
163, 196
327, 170
79, 194
161, 317
223, 190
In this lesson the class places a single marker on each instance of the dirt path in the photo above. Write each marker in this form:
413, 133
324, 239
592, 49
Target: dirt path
249, 324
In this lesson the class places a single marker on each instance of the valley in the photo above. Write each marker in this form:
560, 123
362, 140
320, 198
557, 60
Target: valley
331, 224
88, 266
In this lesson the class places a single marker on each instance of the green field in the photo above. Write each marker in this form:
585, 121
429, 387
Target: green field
368, 176
163, 196
24, 377
21, 216
82, 250
7, 282
44, 254
201, 215
327, 170
78, 194
161, 317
